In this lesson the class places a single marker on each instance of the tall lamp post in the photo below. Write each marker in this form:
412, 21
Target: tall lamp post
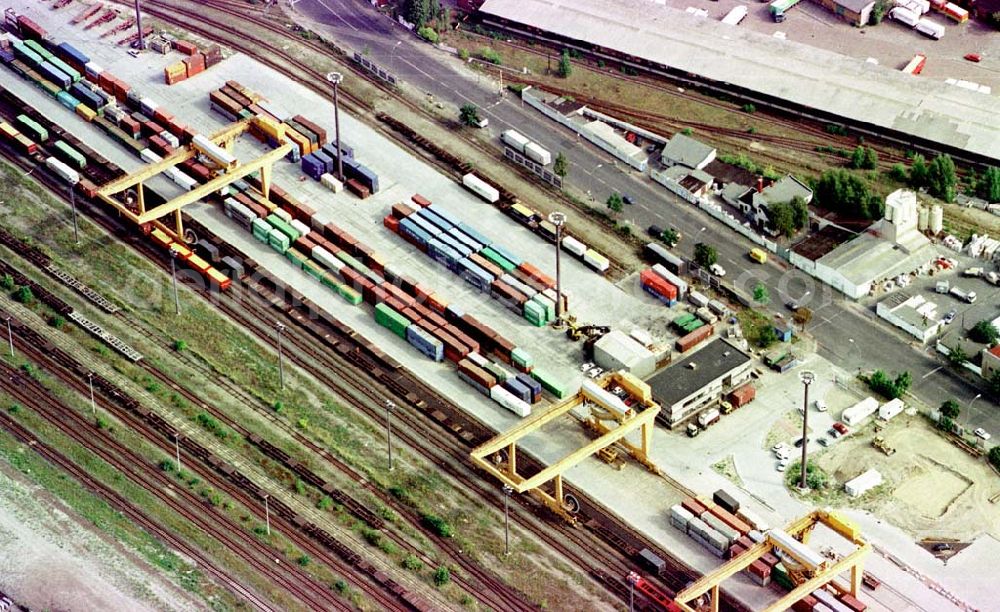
389, 407
507, 490
72, 203
633, 579
336, 78
558, 219
173, 276
138, 25
10, 338
807, 379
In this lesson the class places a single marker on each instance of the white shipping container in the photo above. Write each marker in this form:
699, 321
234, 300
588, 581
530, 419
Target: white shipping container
477, 359
857, 487
327, 259
735, 16
890, 409
92, 69
860, 411
681, 513
603, 398
509, 401
573, 246
673, 279
515, 140
480, 188
284, 214
904, 16
697, 299
752, 519
799, 551
330, 182
148, 106
300, 227
596, 261
213, 151
149, 157
536, 153
68, 174
170, 138
930, 29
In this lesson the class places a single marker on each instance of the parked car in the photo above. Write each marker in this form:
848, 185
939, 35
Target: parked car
655, 231
840, 427
798, 443
833, 433
942, 547
782, 465
628, 199
820, 405
792, 305
595, 372
717, 270
973, 57
587, 366
823, 442
948, 318
982, 433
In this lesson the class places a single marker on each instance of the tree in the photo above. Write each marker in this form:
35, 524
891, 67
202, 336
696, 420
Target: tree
565, 67
767, 336
989, 185
984, 332
858, 157
878, 12
782, 218
993, 383
442, 576
957, 356
705, 254
800, 212
918, 172
802, 316
946, 424
470, 114
871, 159
670, 236
841, 191
995, 456
615, 202
419, 12
761, 295
880, 383
428, 34
898, 172
561, 165
950, 409
942, 180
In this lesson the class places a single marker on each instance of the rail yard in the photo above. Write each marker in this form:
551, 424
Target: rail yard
292, 330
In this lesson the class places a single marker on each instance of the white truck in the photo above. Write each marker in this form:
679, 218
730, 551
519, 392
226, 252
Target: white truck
708, 418
968, 297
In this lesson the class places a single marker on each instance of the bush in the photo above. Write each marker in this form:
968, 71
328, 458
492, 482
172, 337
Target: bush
24, 296
687, 131
325, 503
303, 560
898, 172
705, 254
749, 108
489, 55
984, 332
951, 409
208, 422
615, 202
767, 337
463, 54
438, 525
880, 383
816, 478
300, 487
995, 456
469, 114
57, 321
836, 130
565, 67
410, 562
7, 282
428, 34
180, 345
946, 424
442, 576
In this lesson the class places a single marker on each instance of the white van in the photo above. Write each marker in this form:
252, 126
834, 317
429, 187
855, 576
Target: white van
735, 16
930, 29
904, 16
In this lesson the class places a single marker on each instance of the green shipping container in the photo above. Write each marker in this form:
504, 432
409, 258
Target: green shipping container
37, 131
295, 257
28, 54
67, 100
497, 259
65, 68
313, 269
49, 87
548, 305
392, 320
548, 383
353, 263
245, 114
329, 280
278, 241
284, 227
70, 155
260, 229
522, 358
683, 320
350, 295
39, 49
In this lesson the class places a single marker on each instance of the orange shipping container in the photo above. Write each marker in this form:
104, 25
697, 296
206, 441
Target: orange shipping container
392, 223
742, 395
726, 517
186, 47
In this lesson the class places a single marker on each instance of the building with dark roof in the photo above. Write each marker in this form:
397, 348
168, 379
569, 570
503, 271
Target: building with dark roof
699, 381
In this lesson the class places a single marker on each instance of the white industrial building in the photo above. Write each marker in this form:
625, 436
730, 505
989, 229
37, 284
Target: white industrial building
862, 484
914, 314
890, 409
888, 248
686, 151
860, 411
617, 351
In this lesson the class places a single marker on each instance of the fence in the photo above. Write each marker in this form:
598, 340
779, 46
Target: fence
374, 68
544, 173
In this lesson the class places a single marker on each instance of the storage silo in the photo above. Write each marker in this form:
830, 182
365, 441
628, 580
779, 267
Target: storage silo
937, 219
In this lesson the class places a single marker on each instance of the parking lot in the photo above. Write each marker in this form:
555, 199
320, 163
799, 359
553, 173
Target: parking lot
892, 44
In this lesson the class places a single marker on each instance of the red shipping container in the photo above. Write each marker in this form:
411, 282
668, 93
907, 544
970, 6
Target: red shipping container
759, 569
742, 396
185, 47
770, 559
173, 80
420, 200
852, 602
726, 517
130, 126
693, 506
160, 146
304, 244
107, 82
392, 223
806, 604
357, 189
162, 116
692, 339
401, 211
653, 281
745, 542
436, 302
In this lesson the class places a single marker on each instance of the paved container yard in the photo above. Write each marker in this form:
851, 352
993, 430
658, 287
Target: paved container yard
789, 70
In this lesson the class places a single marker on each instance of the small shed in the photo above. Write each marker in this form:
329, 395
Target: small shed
860, 411
863, 483
784, 329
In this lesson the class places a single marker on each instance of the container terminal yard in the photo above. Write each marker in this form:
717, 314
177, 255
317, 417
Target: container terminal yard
284, 355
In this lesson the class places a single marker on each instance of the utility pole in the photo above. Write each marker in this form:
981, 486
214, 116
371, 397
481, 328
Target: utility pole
389, 407
173, 275
336, 78
10, 338
281, 367
558, 219
138, 25
807, 379
267, 514
93, 404
633, 579
72, 203
177, 451
507, 490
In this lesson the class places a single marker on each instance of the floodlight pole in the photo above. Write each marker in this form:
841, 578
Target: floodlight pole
138, 24
807, 379
336, 78
558, 219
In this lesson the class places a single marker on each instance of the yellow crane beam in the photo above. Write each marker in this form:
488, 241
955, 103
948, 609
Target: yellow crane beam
263, 164
525, 427
853, 561
222, 137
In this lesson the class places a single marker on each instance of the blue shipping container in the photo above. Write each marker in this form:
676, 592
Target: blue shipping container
512, 258
425, 343
367, 177
474, 275
312, 166
424, 224
472, 233
453, 313
72, 55
326, 160
443, 254
462, 237
519, 389
414, 231
530, 383
441, 212
55, 75
428, 214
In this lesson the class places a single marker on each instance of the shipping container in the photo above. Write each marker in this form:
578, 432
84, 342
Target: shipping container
693, 338
536, 153
726, 501
573, 246
390, 319
481, 188
549, 383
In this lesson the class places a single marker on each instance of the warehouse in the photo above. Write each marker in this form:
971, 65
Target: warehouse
699, 380
763, 67
617, 351
914, 314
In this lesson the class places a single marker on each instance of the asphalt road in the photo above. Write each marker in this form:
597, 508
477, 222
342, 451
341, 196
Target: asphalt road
847, 334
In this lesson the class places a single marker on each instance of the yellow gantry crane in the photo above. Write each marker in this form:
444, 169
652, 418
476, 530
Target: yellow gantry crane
609, 417
228, 171
812, 571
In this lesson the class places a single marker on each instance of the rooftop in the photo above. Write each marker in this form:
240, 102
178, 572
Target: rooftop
728, 173
609, 135
687, 151
714, 360
855, 6
822, 242
869, 257
790, 70
785, 189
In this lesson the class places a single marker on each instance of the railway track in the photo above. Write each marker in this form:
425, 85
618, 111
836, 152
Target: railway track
138, 469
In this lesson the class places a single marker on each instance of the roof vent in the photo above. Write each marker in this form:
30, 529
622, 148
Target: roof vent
693, 365
726, 353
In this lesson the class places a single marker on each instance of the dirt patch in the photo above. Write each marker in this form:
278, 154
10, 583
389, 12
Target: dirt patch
931, 489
